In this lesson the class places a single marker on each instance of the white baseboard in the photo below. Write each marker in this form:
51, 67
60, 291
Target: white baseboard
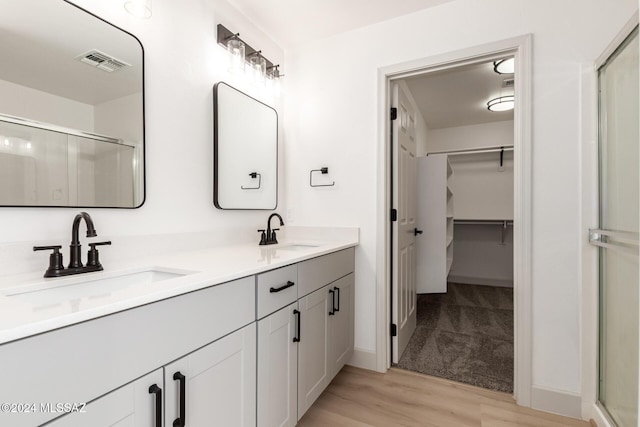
363, 358
556, 401
465, 280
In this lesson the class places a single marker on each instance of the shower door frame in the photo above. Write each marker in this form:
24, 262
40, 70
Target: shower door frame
591, 409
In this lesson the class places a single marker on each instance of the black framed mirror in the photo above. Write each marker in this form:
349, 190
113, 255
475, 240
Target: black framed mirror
245, 151
71, 108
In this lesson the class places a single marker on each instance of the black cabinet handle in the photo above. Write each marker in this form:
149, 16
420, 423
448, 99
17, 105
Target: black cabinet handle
297, 337
181, 421
337, 292
154, 389
281, 288
416, 231
333, 302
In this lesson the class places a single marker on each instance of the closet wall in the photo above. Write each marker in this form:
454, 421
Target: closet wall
483, 192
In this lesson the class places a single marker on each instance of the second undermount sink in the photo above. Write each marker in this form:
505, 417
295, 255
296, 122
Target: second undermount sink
296, 246
91, 285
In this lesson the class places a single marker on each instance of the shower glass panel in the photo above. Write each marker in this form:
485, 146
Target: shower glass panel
619, 279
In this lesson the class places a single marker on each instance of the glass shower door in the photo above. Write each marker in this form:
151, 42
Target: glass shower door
618, 234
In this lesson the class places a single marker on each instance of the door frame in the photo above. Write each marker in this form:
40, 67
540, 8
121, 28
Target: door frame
520, 48
590, 219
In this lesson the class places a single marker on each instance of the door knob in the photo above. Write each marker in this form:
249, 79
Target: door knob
416, 231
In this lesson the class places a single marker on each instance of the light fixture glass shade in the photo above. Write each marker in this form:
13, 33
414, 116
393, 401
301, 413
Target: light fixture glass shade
138, 8
236, 50
502, 103
505, 66
258, 69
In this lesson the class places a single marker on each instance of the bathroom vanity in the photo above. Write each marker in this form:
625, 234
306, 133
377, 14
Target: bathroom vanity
232, 336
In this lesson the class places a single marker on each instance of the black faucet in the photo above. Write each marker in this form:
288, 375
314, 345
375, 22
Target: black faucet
270, 237
56, 266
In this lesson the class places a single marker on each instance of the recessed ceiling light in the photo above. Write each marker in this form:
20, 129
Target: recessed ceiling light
502, 103
505, 66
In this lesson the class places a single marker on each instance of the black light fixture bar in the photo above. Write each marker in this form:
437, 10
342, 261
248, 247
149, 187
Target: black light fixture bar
224, 35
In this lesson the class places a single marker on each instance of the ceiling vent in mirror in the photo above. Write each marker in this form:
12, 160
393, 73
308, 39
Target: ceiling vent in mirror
101, 60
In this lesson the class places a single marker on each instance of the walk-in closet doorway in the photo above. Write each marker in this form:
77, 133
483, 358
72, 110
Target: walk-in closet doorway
403, 156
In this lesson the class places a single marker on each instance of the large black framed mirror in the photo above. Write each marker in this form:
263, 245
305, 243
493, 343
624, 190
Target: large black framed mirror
71, 108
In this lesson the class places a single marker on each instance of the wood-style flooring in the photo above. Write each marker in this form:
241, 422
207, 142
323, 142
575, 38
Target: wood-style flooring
361, 398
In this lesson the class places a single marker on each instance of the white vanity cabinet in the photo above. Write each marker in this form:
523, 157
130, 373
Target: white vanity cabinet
82, 362
302, 346
327, 320
278, 322
132, 405
278, 368
214, 386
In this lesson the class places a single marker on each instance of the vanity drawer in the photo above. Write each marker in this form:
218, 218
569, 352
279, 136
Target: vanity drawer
318, 272
276, 289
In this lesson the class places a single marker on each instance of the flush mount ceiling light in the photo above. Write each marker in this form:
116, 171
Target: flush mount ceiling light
502, 103
139, 8
505, 66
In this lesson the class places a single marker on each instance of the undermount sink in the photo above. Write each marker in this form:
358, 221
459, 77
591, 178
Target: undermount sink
296, 247
91, 285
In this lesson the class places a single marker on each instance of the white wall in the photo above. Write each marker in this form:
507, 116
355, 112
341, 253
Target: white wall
121, 117
472, 136
481, 189
482, 255
22, 101
182, 63
331, 108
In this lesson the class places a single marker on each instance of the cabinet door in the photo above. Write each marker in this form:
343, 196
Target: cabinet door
341, 324
313, 348
216, 385
132, 405
278, 368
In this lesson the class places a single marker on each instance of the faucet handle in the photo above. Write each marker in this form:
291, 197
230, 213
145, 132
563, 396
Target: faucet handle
55, 260
263, 237
273, 238
93, 259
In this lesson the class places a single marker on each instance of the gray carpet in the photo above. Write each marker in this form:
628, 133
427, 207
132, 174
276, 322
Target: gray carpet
465, 335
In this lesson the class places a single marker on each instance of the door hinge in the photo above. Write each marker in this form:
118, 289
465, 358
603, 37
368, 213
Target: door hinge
394, 215
394, 113
394, 330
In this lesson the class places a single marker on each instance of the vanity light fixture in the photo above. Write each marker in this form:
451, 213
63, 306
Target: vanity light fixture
502, 103
139, 8
504, 66
236, 49
260, 68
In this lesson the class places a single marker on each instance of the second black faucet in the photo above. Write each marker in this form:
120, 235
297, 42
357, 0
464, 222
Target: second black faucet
270, 237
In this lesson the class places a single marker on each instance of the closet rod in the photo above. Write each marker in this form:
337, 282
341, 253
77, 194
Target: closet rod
482, 222
475, 150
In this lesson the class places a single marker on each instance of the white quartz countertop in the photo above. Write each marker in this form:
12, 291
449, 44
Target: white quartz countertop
32, 312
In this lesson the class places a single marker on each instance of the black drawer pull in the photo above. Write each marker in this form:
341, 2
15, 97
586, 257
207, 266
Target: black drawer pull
297, 337
281, 288
154, 389
181, 421
333, 302
338, 294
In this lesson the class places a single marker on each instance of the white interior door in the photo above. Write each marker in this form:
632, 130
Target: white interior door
404, 201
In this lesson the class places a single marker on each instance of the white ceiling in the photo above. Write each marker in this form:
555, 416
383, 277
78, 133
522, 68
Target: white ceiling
38, 50
291, 23
458, 97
